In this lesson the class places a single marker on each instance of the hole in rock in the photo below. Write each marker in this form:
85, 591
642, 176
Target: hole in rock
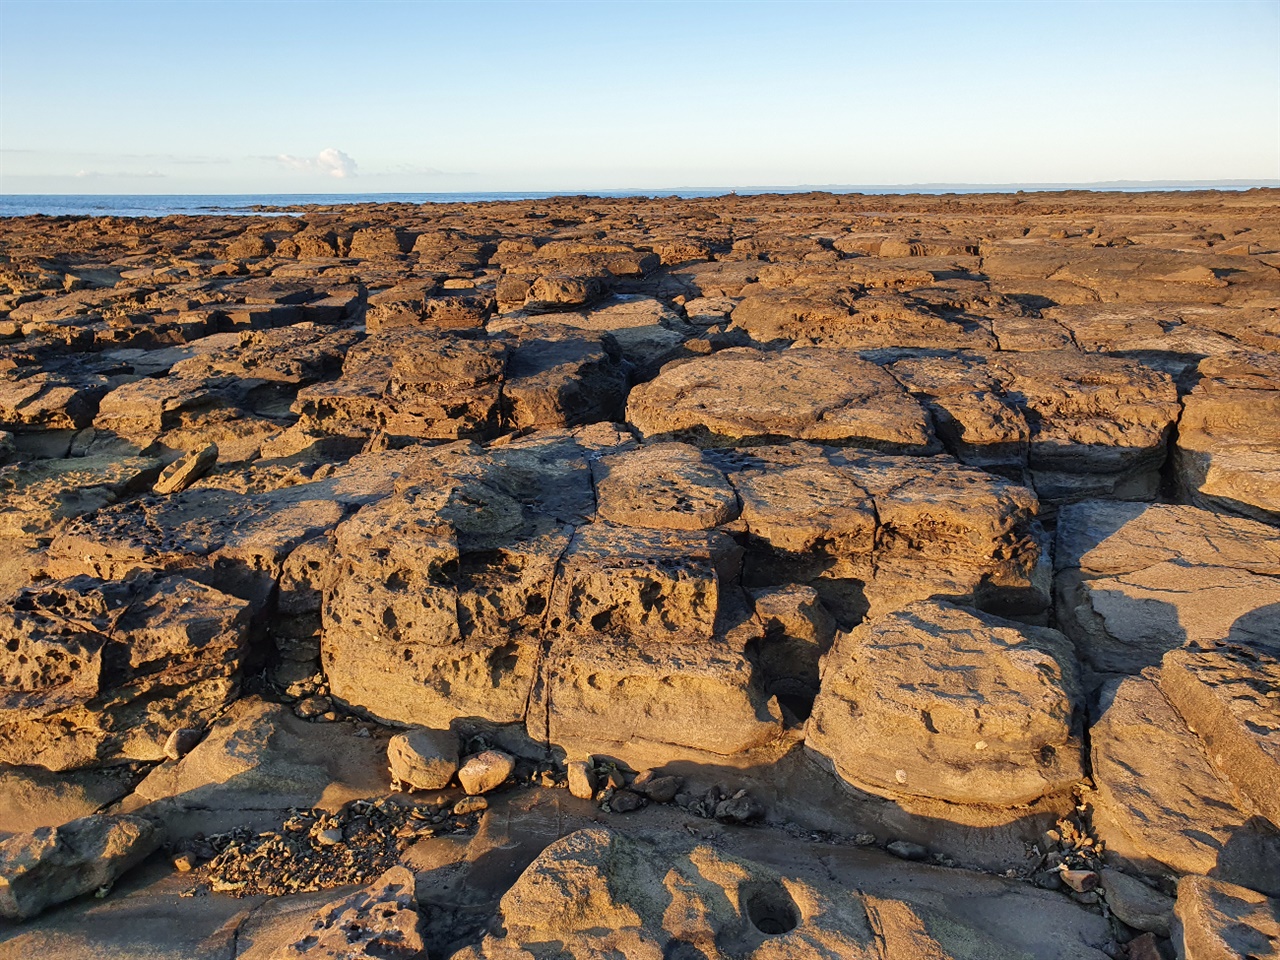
771, 910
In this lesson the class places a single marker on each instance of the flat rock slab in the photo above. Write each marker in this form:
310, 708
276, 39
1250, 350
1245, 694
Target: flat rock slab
937, 702
53, 864
743, 396
742, 905
1161, 801
254, 764
1221, 921
664, 486
1135, 581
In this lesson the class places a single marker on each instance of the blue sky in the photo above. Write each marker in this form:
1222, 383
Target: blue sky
295, 96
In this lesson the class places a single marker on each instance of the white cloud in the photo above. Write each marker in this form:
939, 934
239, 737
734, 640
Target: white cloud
119, 174
330, 161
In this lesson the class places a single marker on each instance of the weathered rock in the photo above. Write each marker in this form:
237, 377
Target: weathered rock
1134, 582
101, 671
486, 771
663, 486
940, 703
423, 759
1161, 802
598, 893
53, 864
381, 921
1228, 438
1220, 921
582, 779
41, 495
186, 470
1230, 695
1137, 904
748, 396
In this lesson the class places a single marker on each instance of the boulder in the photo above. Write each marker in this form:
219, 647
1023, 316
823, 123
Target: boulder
486, 771
52, 864
1221, 921
746, 396
938, 702
423, 759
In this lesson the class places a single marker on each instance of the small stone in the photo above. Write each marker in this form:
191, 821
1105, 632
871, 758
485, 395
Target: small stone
486, 771
908, 850
624, 801
186, 470
327, 838
582, 779
658, 789
739, 808
312, 707
181, 742
423, 759
1089, 898
1081, 881
865, 840
615, 779
469, 805
1145, 947
1136, 904
1048, 880
184, 863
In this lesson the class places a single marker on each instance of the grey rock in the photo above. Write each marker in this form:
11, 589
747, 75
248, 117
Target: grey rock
52, 864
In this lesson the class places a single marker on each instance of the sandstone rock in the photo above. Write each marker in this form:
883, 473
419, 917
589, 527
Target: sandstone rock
1230, 695
186, 470
379, 921
582, 779
743, 395
41, 495
937, 702
53, 864
1228, 440
486, 771
1137, 904
1220, 921
1134, 582
1160, 800
96, 672
423, 759
663, 486
256, 762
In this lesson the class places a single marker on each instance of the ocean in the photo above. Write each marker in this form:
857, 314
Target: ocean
253, 204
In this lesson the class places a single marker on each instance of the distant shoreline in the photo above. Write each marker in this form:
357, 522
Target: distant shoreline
257, 204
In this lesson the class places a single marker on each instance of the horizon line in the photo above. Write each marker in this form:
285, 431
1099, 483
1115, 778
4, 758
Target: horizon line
933, 186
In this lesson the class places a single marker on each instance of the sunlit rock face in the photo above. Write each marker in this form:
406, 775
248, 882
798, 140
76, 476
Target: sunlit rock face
748, 559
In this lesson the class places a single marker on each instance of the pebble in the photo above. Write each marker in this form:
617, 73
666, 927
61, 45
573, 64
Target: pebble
624, 801
656, 788
312, 707
1081, 881
423, 759
330, 837
184, 863
740, 808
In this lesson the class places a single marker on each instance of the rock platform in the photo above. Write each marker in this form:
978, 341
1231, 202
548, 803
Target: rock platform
792, 576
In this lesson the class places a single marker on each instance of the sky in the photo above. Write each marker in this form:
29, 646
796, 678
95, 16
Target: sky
293, 96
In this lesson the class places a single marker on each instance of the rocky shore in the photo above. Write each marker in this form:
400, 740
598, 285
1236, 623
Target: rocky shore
801, 576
